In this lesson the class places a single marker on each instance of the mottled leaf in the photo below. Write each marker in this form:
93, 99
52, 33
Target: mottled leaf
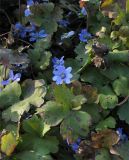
33, 93
119, 86
10, 95
75, 124
53, 113
107, 98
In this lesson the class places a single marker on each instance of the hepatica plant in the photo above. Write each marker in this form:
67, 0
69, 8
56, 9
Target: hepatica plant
64, 80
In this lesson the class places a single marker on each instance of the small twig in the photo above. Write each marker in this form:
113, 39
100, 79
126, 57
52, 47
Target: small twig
1, 35
5, 71
121, 103
24, 42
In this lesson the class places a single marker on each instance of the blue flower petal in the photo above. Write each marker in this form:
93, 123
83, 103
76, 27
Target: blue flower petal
11, 74
27, 12
5, 82
17, 77
83, 11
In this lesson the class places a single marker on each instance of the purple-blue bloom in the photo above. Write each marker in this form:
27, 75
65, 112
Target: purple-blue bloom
12, 77
30, 2
20, 30
58, 62
62, 75
84, 35
27, 12
123, 137
37, 35
31, 28
83, 11
75, 145
63, 23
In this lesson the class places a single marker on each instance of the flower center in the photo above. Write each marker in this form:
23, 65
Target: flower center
63, 75
57, 62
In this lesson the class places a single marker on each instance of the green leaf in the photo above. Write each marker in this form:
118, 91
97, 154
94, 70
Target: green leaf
64, 96
109, 122
123, 112
107, 98
53, 113
108, 41
124, 31
78, 101
8, 144
10, 95
33, 94
94, 111
116, 70
40, 11
93, 76
120, 19
25, 155
122, 149
73, 63
46, 15
39, 57
103, 154
119, 86
75, 124
34, 126
82, 55
41, 146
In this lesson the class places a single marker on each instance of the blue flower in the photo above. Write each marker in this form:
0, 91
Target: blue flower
62, 74
30, 2
84, 35
12, 77
58, 62
37, 35
83, 11
31, 28
123, 137
67, 35
74, 145
27, 12
20, 30
63, 23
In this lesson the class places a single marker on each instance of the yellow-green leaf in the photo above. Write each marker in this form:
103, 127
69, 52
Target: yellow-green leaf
8, 144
